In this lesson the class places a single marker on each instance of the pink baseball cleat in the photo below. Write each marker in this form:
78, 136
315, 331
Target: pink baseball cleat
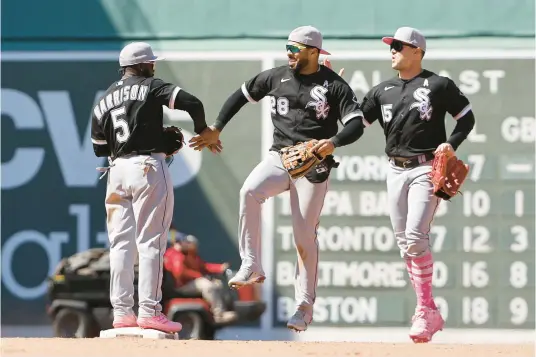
160, 323
426, 322
125, 321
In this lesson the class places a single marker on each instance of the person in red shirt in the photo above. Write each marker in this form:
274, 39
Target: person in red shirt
191, 271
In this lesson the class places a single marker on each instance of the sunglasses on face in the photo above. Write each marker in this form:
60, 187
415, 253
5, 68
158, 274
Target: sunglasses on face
399, 46
295, 48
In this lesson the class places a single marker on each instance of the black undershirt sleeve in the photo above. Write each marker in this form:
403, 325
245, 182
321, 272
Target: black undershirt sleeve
229, 109
463, 127
350, 133
191, 104
100, 146
101, 150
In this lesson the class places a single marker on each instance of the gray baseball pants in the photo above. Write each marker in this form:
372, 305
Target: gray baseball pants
268, 179
412, 206
139, 208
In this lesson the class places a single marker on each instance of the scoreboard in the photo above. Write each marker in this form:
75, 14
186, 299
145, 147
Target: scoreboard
483, 241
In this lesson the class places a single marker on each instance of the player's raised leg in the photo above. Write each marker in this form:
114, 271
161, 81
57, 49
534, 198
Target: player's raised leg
306, 200
267, 179
153, 208
421, 211
122, 237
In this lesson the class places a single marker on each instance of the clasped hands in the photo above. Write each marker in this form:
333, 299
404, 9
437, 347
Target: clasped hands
209, 137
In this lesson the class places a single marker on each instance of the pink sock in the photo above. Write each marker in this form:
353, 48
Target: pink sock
410, 274
421, 271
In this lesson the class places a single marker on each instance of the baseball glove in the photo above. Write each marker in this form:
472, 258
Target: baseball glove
447, 175
173, 140
298, 159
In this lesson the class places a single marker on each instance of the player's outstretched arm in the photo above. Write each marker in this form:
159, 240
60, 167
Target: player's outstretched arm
232, 105
252, 91
207, 136
205, 139
175, 97
194, 107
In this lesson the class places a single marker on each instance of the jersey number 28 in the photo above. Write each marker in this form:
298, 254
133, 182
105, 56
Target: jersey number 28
120, 124
279, 106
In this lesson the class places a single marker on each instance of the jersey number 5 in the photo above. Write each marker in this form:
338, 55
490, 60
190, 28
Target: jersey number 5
387, 113
120, 124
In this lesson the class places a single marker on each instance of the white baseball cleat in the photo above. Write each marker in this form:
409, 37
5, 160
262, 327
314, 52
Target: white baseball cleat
299, 321
245, 277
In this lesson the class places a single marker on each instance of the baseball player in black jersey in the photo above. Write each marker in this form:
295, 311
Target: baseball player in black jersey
127, 127
411, 109
308, 100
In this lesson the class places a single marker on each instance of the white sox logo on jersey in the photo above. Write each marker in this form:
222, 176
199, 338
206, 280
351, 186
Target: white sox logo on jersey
423, 103
320, 102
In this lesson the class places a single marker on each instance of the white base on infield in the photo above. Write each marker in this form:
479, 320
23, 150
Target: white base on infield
138, 332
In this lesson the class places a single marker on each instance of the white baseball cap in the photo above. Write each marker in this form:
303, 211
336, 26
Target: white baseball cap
137, 52
309, 36
408, 35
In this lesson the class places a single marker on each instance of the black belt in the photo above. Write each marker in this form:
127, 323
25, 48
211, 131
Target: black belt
411, 162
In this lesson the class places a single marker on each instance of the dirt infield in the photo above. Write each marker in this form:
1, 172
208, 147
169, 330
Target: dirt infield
131, 347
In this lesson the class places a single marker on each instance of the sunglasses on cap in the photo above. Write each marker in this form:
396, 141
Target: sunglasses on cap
295, 48
399, 46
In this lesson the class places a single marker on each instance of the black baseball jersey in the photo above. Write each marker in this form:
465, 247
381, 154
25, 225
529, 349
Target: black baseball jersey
304, 107
129, 116
412, 112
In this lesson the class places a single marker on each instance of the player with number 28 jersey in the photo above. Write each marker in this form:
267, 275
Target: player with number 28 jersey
307, 101
303, 107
